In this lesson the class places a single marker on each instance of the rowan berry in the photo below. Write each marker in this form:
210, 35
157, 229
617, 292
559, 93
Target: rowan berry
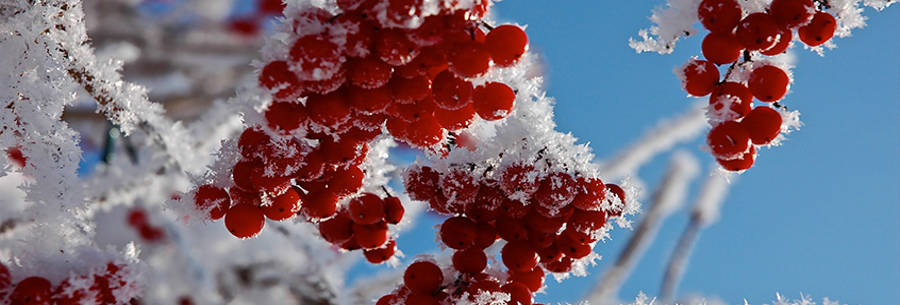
244, 220
368, 73
421, 182
423, 277
283, 206
469, 59
757, 31
278, 77
394, 48
590, 193
337, 229
737, 97
728, 139
493, 100
319, 204
455, 119
381, 254
744, 162
519, 293
819, 30
506, 44
784, 41
370, 236
719, 15
763, 124
470, 260
699, 77
721, 48
451, 92
458, 232
316, 57
33, 290
792, 13
519, 256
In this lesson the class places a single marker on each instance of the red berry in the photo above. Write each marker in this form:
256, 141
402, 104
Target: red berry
286, 116
33, 290
737, 98
721, 48
744, 162
572, 248
319, 204
487, 203
368, 208
543, 223
469, 59
241, 173
519, 180
699, 77
425, 132
506, 43
768, 83
410, 90
510, 229
150, 233
421, 182
212, 199
455, 119
555, 191
423, 277
757, 31
493, 100
485, 235
458, 232
762, 124
584, 237
270, 6
541, 239
719, 15
394, 48
620, 194
583, 220
471, 260
393, 210
316, 57
244, 220
370, 236
421, 299
359, 36
519, 294
401, 12
368, 73
519, 256
369, 101
346, 181
253, 143
382, 254
284, 206
278, 77
792, 13
328, 110
819, 30
784, 41
591, 192
15, 155
451, 92
533, 279
560, 265
728, 139
337, 229
328, 85
459, 187
515, 208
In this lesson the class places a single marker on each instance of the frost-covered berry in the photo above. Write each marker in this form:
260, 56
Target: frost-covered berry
784, 41
423, 277
728, 139
555, 191
455, 119
757, 31
591, 192
519, 256
244, 220
421, 182
329, 110
319, 204
409, 90
620, 194
213, 199
719, 15
819, 30
721, 48
381, 254
316, 57
792, 13
394, 48
698, 77
533, 279
425, 132
768, 83
762, 124
278, 77
368, 208
493, 100
506, 44
286, 116
744, 162
368, 72
283, 206
459, 187
393, 210
730, 101
519, 294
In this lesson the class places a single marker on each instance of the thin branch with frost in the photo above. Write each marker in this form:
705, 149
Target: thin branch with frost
706, 212
667, 198
660, 139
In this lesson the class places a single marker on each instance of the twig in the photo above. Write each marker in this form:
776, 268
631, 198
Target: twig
667, 198
706, 212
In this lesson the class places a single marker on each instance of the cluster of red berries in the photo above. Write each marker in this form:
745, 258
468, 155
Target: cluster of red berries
100, 287
363, 224
138, 220
15, 155
548, 220
738, 126
367, 67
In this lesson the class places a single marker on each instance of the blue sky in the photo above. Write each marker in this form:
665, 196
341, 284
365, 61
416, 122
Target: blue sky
818, 215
